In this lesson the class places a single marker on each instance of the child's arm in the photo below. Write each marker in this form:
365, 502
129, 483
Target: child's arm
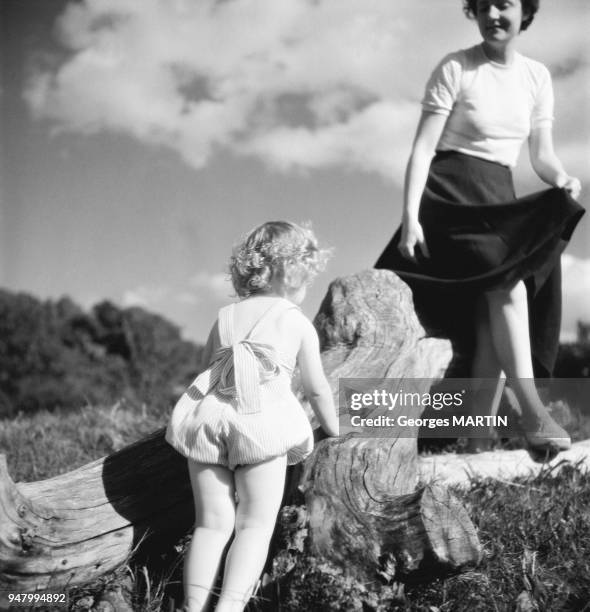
209, 348
316, 387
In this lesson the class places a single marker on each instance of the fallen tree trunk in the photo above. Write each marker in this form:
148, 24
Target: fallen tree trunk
366, 521
458, 470
354, 541
75, 527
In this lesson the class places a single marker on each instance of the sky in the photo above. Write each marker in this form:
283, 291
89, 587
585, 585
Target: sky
141, 139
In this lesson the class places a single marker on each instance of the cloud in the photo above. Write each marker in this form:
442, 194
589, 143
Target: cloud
363, 141
565, 25
192, 306
576, 293
572, 120
246, 76
300, 84
144, 296
215, 286
202, 287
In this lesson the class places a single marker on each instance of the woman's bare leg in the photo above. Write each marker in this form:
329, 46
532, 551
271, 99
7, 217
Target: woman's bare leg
260, 491
488, 378
509, 325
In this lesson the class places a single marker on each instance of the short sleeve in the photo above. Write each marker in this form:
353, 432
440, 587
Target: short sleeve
542, 115
443, 85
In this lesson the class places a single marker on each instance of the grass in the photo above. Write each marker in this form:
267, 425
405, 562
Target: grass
536, 538
535, 533
45, 444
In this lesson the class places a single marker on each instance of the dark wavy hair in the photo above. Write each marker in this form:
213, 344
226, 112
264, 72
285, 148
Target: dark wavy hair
529, 8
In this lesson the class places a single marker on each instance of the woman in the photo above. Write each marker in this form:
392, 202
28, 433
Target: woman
488, 256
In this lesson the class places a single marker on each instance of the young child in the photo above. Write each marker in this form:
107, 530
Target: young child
239, 424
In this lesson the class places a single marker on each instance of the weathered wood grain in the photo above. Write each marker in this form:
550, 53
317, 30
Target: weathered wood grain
77, 526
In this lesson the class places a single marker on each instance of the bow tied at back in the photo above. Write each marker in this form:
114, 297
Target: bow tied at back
239, 367
237, 372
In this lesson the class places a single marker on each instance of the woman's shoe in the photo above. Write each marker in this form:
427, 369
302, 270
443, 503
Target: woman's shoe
478, 445
548, 440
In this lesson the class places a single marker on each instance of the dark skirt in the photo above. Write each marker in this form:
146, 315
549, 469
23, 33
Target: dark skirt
480, 238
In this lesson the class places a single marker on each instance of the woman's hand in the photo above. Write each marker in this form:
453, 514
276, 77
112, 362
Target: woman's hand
572, 185
412, 237
547, 165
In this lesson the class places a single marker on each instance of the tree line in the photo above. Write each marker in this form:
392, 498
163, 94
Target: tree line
55, 354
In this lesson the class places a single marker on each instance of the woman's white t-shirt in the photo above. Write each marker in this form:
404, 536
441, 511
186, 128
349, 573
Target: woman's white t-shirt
492, 107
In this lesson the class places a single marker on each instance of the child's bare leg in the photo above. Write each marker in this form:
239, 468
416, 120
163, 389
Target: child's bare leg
213, 489
509, 323
260, 491
485, 369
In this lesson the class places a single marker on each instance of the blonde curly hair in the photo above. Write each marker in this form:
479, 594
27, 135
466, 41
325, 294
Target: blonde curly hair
276, 251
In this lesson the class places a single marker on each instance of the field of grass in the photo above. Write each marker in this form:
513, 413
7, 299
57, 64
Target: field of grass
535, 533
536, 538
44, 444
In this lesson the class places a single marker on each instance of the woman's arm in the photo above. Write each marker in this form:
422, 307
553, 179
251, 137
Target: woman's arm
428, 133
315, 385
547, 165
